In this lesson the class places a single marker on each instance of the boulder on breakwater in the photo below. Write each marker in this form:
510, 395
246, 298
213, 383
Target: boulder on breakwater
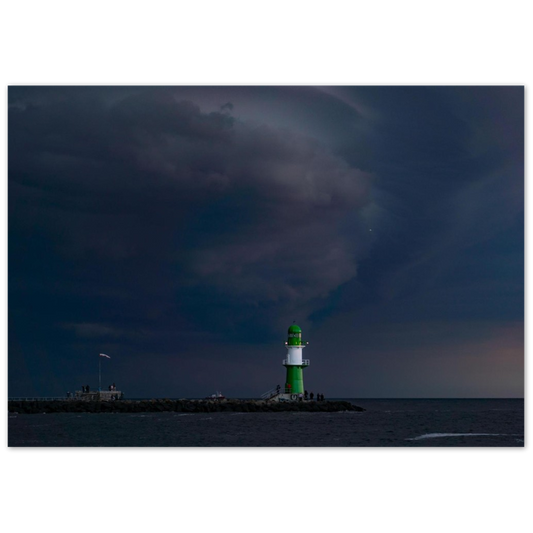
180, 406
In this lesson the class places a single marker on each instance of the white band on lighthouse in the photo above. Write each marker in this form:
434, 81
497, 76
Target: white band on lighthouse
294, 355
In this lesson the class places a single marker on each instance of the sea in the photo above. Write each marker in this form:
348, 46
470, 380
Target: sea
385, 423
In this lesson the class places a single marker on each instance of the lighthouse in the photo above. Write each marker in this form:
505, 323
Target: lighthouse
294, 384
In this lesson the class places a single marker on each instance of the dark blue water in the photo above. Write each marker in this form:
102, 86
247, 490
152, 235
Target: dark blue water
389, 423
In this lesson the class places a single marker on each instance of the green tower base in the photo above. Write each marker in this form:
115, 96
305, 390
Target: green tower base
295, 378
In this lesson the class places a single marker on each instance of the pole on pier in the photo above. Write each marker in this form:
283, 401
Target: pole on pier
100, 369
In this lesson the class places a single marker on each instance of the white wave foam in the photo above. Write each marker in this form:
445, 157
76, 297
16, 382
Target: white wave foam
439, 435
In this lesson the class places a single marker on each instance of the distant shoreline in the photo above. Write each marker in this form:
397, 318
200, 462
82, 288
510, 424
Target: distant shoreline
180, 406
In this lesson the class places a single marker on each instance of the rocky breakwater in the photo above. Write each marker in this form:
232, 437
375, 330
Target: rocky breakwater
180, 406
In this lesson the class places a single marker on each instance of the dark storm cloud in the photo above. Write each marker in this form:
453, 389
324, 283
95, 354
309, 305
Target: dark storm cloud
450, 183
151, 196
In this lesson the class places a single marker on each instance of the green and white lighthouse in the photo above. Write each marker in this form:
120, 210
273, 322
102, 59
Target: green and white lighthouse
294, 384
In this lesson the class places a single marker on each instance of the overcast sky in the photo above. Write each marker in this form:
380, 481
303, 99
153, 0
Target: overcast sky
181, 230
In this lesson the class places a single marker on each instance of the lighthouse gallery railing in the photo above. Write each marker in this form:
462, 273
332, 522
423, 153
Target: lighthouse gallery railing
305, 362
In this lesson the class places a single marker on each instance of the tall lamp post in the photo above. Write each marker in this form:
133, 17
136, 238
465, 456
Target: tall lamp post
100, 370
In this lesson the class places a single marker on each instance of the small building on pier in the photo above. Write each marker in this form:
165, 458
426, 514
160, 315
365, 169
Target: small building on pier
103, 396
